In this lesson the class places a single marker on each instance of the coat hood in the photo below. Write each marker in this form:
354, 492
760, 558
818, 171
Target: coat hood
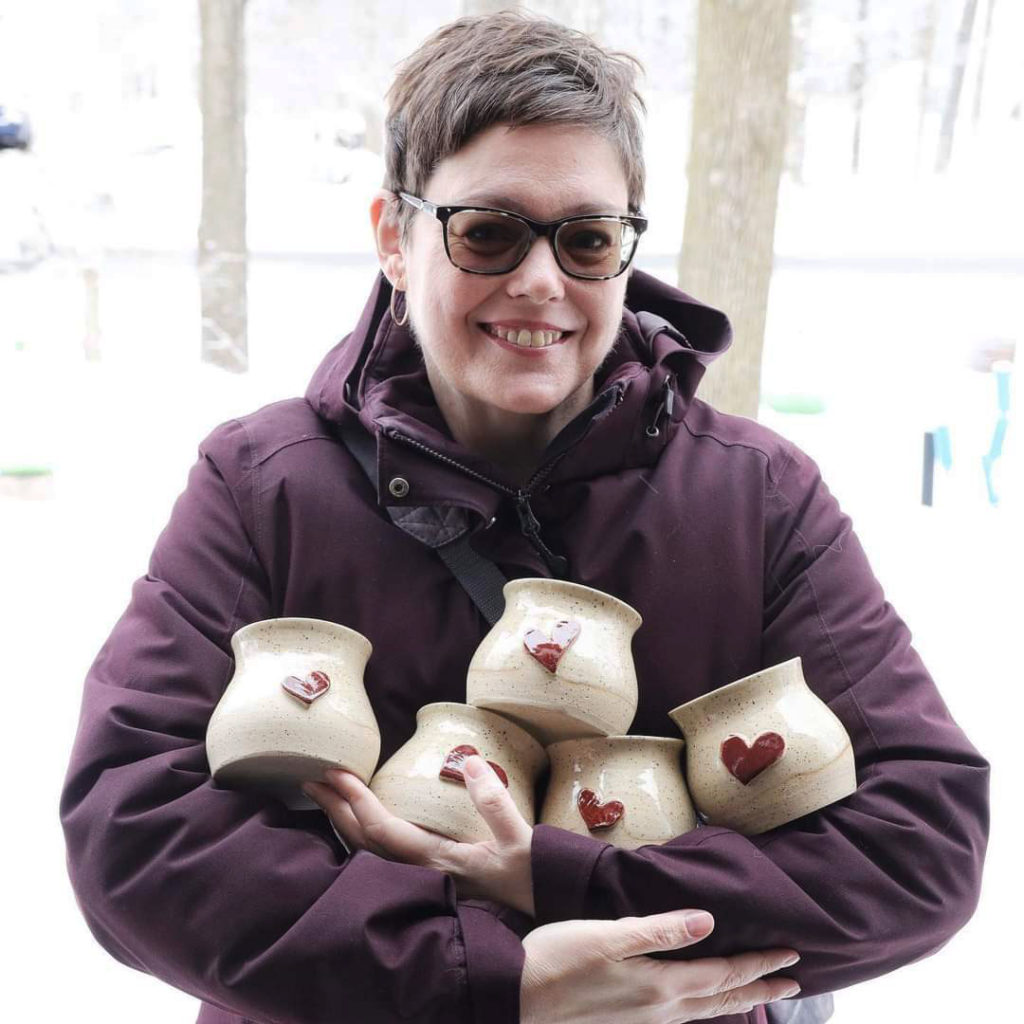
378, 368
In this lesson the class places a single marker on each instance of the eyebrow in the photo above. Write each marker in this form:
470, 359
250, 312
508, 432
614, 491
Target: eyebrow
514, 206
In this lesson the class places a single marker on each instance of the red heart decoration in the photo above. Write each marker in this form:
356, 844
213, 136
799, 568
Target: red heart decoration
316, 684
456, 758
747, 762
548, 650
596, 814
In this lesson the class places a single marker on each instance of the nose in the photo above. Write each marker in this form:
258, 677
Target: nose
539, 276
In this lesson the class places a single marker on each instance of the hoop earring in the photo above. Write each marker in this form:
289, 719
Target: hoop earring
394, 315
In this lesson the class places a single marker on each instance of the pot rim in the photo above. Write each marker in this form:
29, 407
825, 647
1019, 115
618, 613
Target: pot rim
323, 625
617, 740
735, 685
497, 718
581, 589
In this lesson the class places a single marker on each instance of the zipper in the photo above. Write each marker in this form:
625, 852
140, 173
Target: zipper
529, 524
557, 564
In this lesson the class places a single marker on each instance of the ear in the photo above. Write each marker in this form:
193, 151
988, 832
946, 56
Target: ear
387, 235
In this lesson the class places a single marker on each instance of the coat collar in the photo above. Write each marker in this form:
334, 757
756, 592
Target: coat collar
376, 375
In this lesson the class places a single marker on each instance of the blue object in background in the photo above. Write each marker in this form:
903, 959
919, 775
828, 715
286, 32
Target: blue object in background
15, 132
1002, 375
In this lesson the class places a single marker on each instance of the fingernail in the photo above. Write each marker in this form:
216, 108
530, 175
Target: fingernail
793, 958
698, 923
474, 767
788, 993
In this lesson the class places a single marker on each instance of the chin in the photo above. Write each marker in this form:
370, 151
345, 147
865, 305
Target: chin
531, 403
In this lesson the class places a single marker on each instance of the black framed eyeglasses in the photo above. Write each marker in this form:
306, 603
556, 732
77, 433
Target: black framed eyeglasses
479, 240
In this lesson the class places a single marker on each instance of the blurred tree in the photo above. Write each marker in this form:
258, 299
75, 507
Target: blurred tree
223, 256
858, 79
949, 115
487, 6
979, 82
798, 91
736, 152
926, 53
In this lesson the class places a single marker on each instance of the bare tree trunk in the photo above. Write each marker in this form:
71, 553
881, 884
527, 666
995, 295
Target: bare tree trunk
736, 153
963, 47
223, 253
927, 52
858, 80
979, 82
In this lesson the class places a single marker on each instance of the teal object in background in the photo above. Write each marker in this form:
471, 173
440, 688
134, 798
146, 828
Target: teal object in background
800, 404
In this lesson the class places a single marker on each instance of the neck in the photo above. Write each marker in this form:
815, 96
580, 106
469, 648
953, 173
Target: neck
514, 441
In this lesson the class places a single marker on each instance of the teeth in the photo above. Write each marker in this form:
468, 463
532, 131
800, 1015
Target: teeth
524, 338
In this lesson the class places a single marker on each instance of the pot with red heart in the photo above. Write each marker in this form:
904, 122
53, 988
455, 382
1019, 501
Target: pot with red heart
295, 706
764, 750
558, 662
624, 790
423, 781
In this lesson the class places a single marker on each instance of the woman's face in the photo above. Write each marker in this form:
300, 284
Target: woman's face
544, 172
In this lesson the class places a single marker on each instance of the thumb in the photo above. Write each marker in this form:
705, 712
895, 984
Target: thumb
495, 804
637, 936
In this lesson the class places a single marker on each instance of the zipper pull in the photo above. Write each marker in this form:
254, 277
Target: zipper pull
529, 524
665, 408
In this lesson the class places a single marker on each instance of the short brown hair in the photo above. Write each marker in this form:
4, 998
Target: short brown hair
508, 68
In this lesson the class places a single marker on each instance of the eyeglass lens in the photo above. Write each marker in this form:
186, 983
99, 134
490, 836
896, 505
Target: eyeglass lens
492, 244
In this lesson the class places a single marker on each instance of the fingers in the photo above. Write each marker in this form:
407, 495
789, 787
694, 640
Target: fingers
339, 813
384, 833
739, 1000
494, 803
715, 975
637, 936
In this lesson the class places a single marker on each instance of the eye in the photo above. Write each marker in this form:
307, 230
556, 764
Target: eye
589, 240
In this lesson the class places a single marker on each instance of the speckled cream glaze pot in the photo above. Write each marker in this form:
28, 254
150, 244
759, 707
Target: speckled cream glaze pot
410, 782
580, 679
295, 707
764, 750
624, 790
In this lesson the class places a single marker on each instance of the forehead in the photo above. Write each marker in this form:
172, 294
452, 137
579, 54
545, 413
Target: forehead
546, 171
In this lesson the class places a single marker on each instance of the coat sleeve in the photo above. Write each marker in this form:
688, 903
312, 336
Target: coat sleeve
232, 898
878, 880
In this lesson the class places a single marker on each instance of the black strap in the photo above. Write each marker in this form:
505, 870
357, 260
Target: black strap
479, 576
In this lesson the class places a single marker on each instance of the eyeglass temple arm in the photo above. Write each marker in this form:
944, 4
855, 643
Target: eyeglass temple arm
420, 204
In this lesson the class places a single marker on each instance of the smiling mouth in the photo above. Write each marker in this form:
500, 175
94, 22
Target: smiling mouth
522, 338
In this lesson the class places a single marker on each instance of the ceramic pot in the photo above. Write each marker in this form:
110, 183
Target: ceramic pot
295, 707
624, 790
423, 783
764, 750
558, 662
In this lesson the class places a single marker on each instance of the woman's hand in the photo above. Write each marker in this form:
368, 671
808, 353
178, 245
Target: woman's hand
497, 869
577, 972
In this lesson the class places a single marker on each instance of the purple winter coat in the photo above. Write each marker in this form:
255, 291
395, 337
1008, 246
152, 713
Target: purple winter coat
718, 531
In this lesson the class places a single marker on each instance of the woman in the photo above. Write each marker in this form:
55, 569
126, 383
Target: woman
521, 385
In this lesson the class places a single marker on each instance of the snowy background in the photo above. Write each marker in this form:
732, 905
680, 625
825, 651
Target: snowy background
886, 282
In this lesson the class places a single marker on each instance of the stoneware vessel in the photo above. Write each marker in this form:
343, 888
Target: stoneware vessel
764, 750
624, 790
558, 662
295, 707
422, 781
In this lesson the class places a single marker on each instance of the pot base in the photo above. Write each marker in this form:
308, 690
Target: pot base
279, 774
545, 724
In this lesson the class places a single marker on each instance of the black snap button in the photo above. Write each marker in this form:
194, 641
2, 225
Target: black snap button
399, 487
